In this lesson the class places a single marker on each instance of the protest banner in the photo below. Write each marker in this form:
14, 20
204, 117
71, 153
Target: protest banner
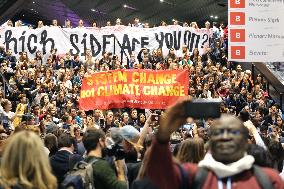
113, 39
145, 89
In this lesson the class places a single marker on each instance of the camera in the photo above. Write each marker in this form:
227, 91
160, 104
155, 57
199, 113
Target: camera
114, 149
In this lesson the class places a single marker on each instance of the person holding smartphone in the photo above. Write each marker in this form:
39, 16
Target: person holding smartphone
226, 164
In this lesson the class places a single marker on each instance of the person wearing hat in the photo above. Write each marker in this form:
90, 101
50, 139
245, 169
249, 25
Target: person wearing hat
131, 140
128, 137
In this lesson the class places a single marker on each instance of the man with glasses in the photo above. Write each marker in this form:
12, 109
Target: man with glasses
227, 163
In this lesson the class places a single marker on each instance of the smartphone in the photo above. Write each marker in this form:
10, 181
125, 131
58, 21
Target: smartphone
270, 130
155, 118
203, 108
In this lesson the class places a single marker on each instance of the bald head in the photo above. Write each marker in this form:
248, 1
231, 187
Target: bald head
228, 140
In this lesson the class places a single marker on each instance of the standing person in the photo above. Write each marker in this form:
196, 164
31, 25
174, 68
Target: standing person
40, 24
21, 108
104, 175
55, 23
133, 117
109, 121
124, 119
118, 22
68, 24
228, 164
140, 121
137, 23
60, 160
24, 164
6, 115
108, 23
80, 24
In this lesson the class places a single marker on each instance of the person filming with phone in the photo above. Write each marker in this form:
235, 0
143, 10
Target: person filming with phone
226, 165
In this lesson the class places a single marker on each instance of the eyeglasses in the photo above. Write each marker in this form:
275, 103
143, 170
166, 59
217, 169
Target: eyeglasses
221, 132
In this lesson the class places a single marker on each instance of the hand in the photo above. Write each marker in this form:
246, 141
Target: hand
148, 121
172, 119
249, 125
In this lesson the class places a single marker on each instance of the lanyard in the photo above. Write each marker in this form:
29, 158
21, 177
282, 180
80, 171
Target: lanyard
229, 183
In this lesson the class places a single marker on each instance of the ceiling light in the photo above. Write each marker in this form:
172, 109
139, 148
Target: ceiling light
125, 6
33, 2
32, 9
161, 1
216, 17
93, 10
211, 16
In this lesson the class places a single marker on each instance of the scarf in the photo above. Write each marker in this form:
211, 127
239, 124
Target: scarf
223, 170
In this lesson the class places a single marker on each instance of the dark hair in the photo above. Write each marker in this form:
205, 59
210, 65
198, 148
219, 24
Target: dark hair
259, 109
277, 153
176, 149
244, 116
262, 157
263, 128
50, 142
65, 118
91, 138
65, 140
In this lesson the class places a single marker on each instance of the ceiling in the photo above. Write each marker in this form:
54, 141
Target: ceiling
152, 11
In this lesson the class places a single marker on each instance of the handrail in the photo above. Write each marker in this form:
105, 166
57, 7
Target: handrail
279, 87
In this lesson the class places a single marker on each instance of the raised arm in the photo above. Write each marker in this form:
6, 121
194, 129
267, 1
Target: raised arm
144, 131
160, 167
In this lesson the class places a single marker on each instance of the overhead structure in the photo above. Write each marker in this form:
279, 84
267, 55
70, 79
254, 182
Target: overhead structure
100, 11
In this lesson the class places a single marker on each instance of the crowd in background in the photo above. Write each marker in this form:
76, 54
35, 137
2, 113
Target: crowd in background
43, 96
118, 22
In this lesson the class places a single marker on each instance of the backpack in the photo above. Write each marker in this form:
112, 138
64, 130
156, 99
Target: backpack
261, 177
81, 176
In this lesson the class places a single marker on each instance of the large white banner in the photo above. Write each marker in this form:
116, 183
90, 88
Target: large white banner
108, 39
256, 30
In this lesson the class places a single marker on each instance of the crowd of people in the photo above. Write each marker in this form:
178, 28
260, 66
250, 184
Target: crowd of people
44, 134
118, 22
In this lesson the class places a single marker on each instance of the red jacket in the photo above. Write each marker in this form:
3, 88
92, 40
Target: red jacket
164, 174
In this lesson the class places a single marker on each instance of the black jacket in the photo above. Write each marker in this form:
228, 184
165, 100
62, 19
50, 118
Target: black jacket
60, 164
133, 170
